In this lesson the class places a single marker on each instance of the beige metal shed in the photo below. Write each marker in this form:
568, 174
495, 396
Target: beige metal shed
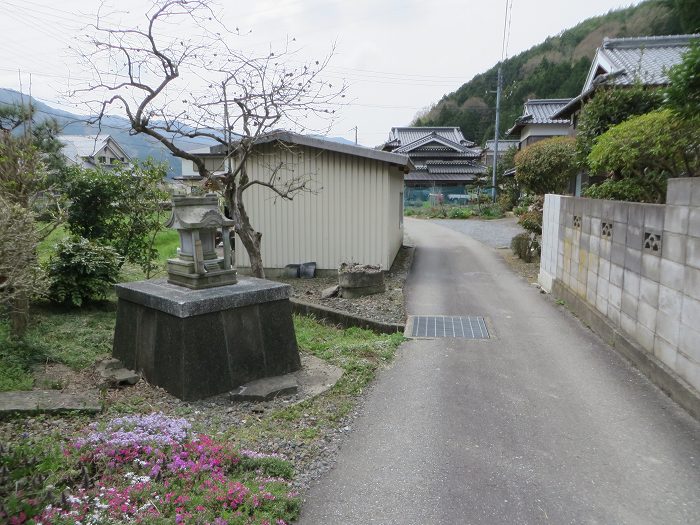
354, 212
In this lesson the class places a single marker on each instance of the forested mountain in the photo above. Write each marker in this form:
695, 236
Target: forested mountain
556, 68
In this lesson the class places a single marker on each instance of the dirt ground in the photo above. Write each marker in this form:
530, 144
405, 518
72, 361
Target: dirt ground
527, 271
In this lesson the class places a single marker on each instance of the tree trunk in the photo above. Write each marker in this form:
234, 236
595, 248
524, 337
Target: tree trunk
19, 316
249, 237
251, 240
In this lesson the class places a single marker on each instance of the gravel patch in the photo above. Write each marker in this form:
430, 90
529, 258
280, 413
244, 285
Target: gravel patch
496, 233
387, 306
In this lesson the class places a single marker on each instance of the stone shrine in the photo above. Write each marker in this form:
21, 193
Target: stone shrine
203, 332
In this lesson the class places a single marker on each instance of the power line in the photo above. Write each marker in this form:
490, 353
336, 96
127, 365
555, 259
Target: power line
506, 29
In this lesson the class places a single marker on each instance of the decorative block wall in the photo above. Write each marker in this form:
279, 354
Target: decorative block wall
636, 264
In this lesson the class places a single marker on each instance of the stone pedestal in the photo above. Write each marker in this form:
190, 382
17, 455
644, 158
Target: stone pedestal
200, 343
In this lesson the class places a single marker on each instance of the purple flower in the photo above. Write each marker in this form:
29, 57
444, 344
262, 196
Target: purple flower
127, 431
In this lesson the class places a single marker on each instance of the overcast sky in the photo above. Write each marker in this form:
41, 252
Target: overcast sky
398, 56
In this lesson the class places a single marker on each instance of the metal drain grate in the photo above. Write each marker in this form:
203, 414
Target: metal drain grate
469, 327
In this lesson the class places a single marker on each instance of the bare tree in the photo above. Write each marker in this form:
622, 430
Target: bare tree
176, 89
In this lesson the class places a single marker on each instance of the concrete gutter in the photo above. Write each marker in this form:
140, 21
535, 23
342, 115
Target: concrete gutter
659, 374
344, 319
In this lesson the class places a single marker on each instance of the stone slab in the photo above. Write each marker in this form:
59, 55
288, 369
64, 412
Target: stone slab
331, 291
182, 302
49, 402
267, 388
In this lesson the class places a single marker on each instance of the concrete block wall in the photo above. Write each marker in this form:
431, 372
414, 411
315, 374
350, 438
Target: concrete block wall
638, 265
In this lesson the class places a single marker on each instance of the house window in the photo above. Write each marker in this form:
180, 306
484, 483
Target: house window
101, 160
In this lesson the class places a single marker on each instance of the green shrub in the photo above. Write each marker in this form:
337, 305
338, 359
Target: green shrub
521, 245
408, 212
460, 213
437, 212
683, 92
531, 220
648, 148
546, 166
610, 107
491, 212
651, 188
81, 270
120, 207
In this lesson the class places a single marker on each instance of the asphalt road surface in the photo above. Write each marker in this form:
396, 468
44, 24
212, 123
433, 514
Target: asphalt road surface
541, 423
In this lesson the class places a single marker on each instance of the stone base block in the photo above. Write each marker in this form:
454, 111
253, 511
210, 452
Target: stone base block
200, 343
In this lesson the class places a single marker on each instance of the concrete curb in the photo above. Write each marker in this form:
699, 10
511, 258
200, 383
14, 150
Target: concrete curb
343, 318
658, 373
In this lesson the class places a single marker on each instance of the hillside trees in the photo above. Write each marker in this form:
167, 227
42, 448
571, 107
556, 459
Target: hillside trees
175, 89
556, 68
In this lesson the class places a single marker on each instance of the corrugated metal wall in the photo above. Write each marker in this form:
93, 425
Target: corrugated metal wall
352, 216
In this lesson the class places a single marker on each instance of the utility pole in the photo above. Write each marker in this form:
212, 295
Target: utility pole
355, 128
495, 141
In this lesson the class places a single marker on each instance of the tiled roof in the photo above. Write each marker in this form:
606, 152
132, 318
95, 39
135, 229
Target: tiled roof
624, 61
415, 176
435, 167
81, 148
645, 59
540, 111
408, 135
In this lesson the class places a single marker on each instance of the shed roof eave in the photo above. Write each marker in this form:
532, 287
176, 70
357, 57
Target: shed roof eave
360, 151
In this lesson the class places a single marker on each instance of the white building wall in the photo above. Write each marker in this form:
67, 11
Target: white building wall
544, 130
549, 258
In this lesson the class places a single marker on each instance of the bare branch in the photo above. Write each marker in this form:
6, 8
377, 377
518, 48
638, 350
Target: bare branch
204, 89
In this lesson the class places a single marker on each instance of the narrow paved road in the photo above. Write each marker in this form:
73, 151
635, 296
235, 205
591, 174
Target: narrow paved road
543, 423
496, 233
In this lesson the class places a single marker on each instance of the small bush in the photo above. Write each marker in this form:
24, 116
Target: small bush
491, 212
524, 246
546, 166
651, 188
459, 213
81, 271
531, 220
408, 212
